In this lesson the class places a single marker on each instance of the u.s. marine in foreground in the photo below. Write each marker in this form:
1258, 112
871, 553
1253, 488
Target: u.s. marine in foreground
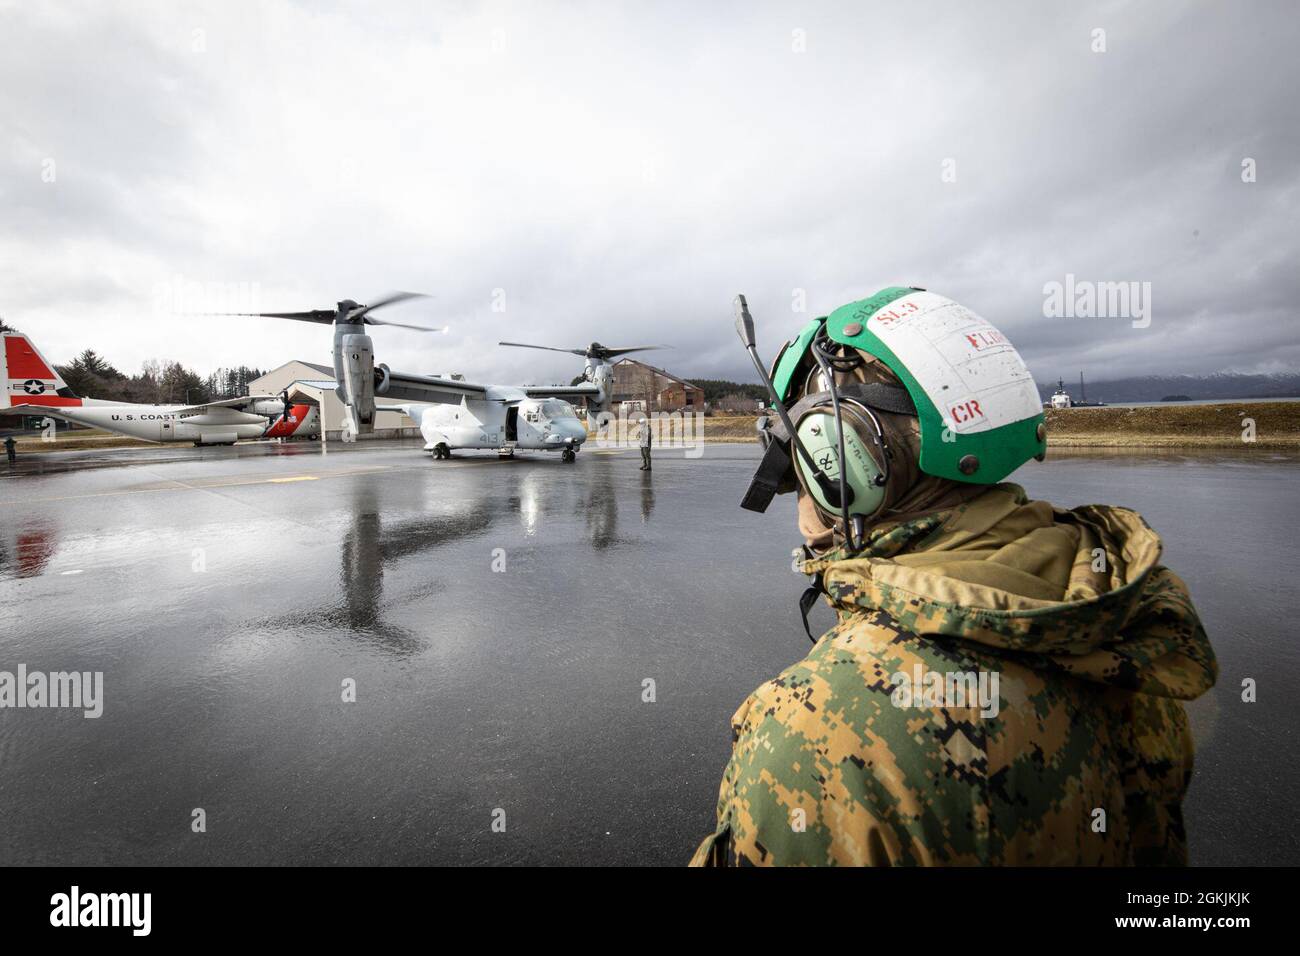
1005, 681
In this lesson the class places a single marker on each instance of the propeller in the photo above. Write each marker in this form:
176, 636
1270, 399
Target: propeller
593, 351
348, 311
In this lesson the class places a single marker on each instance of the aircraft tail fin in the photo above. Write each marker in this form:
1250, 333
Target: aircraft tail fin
301, 418
27, 378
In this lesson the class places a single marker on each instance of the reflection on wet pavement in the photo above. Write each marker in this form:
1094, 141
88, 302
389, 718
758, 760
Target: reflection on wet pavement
498, 620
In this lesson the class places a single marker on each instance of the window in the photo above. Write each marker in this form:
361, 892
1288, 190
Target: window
558, 408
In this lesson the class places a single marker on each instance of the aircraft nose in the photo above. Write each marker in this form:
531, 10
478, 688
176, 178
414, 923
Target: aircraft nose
575, 431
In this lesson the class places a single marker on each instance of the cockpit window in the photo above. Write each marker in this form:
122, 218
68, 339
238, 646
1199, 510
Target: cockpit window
557, 408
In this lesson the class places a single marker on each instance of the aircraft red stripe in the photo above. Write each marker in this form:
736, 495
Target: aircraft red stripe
23, 361
48, 401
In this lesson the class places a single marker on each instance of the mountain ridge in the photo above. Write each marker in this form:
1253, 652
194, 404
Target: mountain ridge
1153, 388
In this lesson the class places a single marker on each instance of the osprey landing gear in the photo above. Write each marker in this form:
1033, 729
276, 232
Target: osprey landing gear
440, 450
568, 456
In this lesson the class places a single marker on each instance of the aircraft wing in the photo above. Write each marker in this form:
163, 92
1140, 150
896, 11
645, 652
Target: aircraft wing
560, 391
225, 403
404, 387
38, 410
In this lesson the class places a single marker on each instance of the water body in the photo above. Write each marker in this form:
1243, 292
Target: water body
1193, 401
227, 594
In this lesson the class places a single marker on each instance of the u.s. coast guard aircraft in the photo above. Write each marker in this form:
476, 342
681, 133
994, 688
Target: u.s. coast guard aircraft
32, 386
453, 413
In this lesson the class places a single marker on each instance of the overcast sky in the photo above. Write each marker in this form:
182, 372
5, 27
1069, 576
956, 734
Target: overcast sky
621, 170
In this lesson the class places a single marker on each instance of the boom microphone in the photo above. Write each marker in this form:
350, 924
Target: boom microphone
776, 461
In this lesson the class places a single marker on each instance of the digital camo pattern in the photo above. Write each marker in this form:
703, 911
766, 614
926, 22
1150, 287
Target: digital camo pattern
1088, 757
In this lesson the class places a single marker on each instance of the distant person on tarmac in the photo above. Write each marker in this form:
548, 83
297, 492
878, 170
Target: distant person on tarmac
11, 449
644, 438
1005, 681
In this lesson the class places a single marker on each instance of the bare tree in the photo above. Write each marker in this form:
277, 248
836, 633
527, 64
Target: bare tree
735, 402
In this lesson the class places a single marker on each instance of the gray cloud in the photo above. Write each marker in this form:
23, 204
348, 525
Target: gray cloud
621, 171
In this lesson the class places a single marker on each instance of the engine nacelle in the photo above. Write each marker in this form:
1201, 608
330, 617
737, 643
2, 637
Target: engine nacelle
600, 374
355, 359
268, 407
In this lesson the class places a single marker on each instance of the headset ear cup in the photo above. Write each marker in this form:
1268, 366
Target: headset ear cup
817, 422
817, 430
878, 449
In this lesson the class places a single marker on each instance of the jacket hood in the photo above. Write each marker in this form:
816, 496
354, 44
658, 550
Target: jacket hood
1081, 591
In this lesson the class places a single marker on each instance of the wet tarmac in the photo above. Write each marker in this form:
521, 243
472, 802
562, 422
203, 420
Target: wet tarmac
500, 620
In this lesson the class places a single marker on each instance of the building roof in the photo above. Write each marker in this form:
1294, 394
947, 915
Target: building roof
659, 371
324, 370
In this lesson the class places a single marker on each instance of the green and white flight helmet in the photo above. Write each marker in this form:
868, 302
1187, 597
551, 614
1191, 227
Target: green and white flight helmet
978, 407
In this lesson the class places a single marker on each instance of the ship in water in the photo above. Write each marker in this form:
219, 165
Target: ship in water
1061, 398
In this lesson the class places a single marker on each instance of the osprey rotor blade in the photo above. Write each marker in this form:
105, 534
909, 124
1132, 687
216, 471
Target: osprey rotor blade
610, 353
323, 316
391, 299
524, 345
403, 325
348, 311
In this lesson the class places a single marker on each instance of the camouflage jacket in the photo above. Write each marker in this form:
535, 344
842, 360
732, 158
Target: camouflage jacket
1004, 686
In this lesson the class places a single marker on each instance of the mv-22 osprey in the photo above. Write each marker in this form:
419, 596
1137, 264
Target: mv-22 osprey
450, 412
